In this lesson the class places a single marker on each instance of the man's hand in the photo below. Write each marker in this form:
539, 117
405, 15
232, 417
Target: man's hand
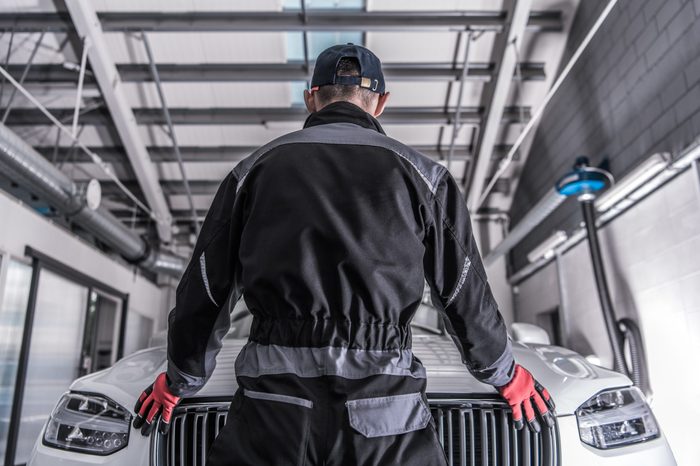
156, 402
523, 393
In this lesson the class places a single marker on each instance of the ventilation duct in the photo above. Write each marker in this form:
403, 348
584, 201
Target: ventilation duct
20, 162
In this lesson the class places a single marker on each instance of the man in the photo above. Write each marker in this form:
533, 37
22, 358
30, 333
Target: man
329, 233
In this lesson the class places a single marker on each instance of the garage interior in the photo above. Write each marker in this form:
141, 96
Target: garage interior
571, 126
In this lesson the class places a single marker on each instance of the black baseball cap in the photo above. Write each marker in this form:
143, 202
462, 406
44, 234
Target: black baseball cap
371, 76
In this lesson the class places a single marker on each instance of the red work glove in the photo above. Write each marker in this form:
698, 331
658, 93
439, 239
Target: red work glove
156, 401
523, 393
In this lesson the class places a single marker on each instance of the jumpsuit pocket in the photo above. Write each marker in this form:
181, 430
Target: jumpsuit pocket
266, 429
292, 400
388, 415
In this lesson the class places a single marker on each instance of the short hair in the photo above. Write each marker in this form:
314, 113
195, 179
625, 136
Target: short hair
349, 66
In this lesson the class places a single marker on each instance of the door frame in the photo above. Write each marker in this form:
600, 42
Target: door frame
43, 261
117, 334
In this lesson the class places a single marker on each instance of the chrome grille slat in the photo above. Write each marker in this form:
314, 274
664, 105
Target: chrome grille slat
483, 424
472, 439
450, 438
203, 450
183, 444
514, 438
462, 437
505, 429
526, 438
473, 432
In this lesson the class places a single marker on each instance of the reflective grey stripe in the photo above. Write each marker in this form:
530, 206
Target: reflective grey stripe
501, 371
292, 400
388, 415
181, 383
203, 269
460, 282
349, 133
255, 360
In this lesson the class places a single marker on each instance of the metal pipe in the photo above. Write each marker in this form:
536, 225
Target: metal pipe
563, 300
333, 20
458, 111
258, 115
292, 70
20, 162
171, 130
305, 37
81, 79
7, 62
616, 342
695, 167
23, 77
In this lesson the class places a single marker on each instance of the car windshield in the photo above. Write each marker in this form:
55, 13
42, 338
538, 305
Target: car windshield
426, 320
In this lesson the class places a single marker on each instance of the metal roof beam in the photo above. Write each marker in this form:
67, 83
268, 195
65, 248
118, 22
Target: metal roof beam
257, 116
88, 27
495, 96
198, 187
232, 154
272, 72
316, 20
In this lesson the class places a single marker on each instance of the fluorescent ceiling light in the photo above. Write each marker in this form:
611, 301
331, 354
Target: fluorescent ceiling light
546, 248
688, 156
634, 180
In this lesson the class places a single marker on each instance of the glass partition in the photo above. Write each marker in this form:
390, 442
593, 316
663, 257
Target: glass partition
54, 354
13, 309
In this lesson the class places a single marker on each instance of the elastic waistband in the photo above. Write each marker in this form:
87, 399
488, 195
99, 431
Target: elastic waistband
256, 360
331, 333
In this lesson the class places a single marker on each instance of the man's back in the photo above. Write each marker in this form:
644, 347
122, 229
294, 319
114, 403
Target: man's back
334, 222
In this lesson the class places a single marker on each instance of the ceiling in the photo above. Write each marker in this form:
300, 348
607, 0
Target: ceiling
232, 74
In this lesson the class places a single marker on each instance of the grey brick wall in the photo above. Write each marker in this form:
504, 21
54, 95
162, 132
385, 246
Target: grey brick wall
635, 91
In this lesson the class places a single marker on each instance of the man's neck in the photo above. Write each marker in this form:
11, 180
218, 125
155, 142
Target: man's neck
356, 102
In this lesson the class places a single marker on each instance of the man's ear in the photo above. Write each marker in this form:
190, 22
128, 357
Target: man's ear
381, 103
310, 101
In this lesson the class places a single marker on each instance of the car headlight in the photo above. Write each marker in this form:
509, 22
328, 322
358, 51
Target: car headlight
88, 423
615, 418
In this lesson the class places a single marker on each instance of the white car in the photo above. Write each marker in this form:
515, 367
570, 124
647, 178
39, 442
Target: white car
601, 418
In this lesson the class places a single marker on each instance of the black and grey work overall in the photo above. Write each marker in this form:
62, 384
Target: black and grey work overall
329, 234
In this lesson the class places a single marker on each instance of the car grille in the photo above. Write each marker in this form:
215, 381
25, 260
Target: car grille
472, 432
481, 433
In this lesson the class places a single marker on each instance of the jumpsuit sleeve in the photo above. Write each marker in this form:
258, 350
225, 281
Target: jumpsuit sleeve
460, 289
200, 319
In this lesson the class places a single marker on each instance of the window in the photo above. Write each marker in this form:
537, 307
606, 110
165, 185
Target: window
318, 41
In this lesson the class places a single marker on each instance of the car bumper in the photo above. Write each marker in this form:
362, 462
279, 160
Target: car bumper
136, 453
573, 453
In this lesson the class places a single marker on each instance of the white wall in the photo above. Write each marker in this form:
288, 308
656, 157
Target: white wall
22, 227
652, 258
493, 232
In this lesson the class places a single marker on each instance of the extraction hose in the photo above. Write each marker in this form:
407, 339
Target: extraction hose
616, 341
639, 372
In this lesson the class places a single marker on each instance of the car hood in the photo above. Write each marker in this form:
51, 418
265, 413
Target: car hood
569, 377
